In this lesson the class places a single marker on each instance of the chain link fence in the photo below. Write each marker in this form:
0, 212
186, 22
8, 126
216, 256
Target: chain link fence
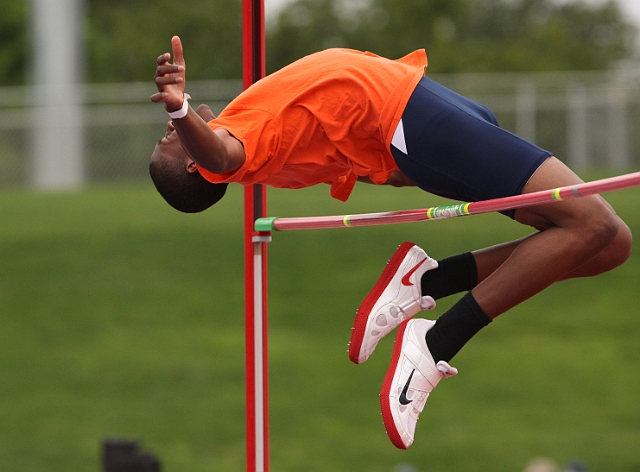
119, 128
587, 119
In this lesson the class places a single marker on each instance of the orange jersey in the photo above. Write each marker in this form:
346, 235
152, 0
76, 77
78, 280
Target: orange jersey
326, 118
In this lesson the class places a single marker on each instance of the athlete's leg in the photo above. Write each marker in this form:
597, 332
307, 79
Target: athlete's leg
459, 155
576, 238
580, 237
490, 258
464, 271
458, 273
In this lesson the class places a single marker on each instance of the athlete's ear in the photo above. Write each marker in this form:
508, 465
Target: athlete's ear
205, 112
192, 168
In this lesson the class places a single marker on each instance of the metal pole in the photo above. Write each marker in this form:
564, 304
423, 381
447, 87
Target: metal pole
257, 417
526, 111
57, 112
618, 127
577, 126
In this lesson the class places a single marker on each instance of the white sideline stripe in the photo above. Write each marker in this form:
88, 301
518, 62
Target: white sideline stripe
258, 329
398, 140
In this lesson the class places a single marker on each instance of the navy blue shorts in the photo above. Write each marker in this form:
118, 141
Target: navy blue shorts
454, 148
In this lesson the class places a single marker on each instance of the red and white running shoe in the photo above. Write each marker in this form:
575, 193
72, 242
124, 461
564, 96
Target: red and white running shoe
396, 296
411, 377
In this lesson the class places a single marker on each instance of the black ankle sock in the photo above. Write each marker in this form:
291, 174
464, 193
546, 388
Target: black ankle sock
455, 327
454, 275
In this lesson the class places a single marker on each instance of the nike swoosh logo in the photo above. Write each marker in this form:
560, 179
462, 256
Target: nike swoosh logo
405, 280
403, 396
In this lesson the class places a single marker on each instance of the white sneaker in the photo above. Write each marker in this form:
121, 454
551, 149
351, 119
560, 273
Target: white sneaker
396, 296
411, 377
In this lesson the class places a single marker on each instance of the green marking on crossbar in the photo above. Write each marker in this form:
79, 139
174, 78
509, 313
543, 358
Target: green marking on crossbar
265, 224
448, 211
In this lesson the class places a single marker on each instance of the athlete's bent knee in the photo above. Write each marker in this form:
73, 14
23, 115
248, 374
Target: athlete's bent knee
619, 250
592, 229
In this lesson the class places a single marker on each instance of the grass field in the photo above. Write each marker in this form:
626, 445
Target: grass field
121, 317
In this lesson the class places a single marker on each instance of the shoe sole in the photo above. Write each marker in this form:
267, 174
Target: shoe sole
387, 385
363, 312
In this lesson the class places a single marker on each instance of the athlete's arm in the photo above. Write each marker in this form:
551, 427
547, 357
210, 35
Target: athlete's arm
218, 151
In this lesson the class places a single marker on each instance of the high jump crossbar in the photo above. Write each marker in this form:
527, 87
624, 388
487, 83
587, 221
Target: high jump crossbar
451, 211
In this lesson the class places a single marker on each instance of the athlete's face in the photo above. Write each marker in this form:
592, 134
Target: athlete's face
170, 147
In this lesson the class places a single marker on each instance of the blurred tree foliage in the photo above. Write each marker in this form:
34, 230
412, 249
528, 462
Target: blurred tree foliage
123, 37
459, 35
13, 42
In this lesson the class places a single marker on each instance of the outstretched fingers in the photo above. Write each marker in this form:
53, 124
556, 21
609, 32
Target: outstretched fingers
168, 74
170, 77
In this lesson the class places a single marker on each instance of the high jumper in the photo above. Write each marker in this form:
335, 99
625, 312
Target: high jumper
341, 116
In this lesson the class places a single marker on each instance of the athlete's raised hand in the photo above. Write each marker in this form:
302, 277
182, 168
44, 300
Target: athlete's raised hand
170, 78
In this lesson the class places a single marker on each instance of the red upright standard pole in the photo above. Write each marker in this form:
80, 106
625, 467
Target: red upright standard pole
255, 264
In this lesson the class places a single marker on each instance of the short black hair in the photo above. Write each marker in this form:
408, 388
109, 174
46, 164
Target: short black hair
186, 192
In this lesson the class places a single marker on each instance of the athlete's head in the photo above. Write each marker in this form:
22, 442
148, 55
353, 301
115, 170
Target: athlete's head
176, 176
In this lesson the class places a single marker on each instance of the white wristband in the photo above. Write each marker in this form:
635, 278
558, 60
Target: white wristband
182, 112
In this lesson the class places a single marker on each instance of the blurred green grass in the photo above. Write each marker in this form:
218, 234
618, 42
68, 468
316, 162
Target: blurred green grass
121, 317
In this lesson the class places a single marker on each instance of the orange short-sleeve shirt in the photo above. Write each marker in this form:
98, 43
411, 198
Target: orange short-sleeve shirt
326, 118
